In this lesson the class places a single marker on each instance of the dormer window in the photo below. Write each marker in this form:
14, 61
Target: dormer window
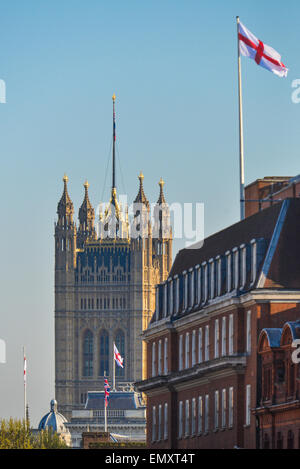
157, 302
235, 253
191, 288
198, 285
243, 254
170, 285
176, 279
228, 271
253, 260
219, 275
212, 279
165, 293
205, 282
185, 283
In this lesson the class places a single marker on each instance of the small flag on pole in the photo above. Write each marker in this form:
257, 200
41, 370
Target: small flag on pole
106, 391
264, 55
119, 360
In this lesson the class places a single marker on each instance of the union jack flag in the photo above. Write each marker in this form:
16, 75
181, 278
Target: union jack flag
106, 392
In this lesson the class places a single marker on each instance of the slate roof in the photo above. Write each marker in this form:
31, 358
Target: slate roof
284, 270
117, 400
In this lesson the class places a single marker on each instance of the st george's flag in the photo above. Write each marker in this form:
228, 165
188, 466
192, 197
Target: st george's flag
117, 356
106, 391
264, 55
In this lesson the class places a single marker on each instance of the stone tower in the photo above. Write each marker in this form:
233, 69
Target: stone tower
105, 289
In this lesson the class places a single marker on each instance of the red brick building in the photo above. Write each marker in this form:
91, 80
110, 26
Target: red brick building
278, 410
202, 361
265, 192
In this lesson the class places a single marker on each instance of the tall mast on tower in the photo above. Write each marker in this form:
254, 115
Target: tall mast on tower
114, 147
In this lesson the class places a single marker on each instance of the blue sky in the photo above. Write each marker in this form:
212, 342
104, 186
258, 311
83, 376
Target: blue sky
173, 66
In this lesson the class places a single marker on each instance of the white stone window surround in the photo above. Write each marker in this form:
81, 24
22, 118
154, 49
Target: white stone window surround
180, 352
218, 275
153, 359
248, 332
206, 345
194, 349
166, 421
230, 407
180, 419
187, 350
217, 338
200, 345
177, 283
253, 244
223, 408
157, 303
165, 299
224, 336
205, 282
231, 334
243, 270
185, 290
170, 296
206, 414
235, 256
191, 287
200, 414
211, 263
166, 356
248, 404
228, 272
197, 284
217, 409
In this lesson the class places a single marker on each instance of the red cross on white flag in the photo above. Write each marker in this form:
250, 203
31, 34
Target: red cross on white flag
263, 54
117, 357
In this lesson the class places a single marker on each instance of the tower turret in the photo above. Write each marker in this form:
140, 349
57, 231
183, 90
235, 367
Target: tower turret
65, 232
86, 219
162, 234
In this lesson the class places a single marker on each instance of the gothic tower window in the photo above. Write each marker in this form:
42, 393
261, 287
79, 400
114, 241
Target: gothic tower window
88, 353
120, 344
104, 353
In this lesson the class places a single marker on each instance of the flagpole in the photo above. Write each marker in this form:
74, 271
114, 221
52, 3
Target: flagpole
114, 371
105, 410
24, 377
241, 132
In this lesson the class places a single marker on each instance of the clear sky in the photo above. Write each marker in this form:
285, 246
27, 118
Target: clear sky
173, 66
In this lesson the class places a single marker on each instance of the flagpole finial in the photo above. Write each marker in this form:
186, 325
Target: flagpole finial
114, 97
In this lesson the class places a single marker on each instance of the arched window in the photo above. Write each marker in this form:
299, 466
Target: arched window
120, 344
104, 353
88, 353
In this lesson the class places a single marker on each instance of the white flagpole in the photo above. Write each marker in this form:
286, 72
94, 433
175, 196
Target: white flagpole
114, 370
105, 417
242, 175
24, 377
105, 409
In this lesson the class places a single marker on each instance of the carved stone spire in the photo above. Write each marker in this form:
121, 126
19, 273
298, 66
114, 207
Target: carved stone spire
86, 217
161, 198
65, 209
141, 198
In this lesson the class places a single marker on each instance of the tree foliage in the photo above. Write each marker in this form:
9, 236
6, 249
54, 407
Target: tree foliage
16, 434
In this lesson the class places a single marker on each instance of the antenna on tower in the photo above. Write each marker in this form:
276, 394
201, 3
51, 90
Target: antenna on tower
114, 146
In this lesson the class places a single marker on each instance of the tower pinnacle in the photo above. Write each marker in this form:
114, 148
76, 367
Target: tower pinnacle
161, 198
